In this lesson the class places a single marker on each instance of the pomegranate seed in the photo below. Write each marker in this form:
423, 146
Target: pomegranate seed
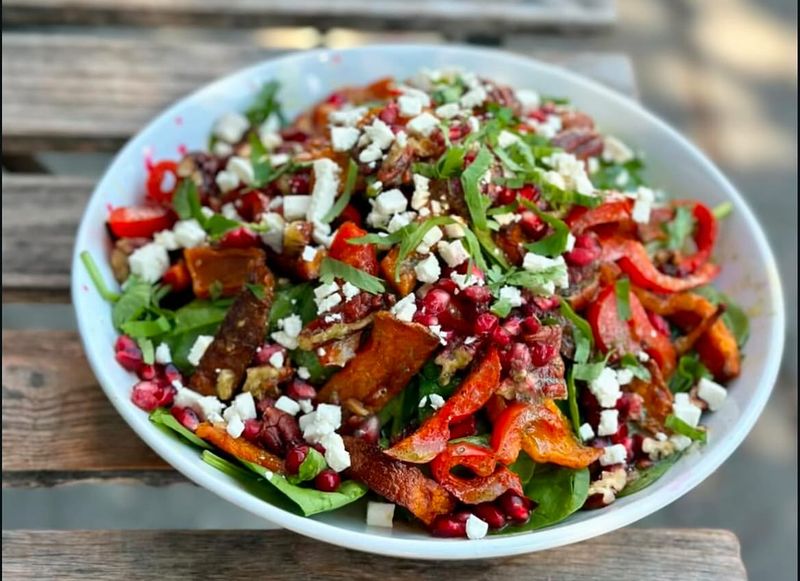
435, 301
336, 99
293, 134
251, 430
148, 395
186, 416
448, 526
389, 114
620, 434
447, 284
485, 323
519, 357
327, 481
490, 514
299, 389
516, 508
171, 373
128, 354
660, 323
529, 192
265, 352
470, 157
629, 406
532, 224
369, 430
458, 131
294, 458
500, 337
239, 238
512, 326
300, 183
531, 324
477, 294
147, 372
505, 196
547, 303
541, 353
425, 319
463, 428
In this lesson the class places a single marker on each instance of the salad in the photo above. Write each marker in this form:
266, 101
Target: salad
456, 299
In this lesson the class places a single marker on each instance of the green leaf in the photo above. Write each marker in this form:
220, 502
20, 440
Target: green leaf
450, 163
501, 308
563, 198
146, 329
590, 371
97, 278
133, 303
622, 291
678, 426
296, 299
629, 361
186, 201
347, 192
734, 317
688, 372
581, 333
647, 476
318, 373
723, 210
332, 268
556, 243
148, 353
257, 290
447, 94
313, 464
679, 228
411, 236
309, 500
523, 467
572, 400
608, 175
266, 104
476, 202
536, 281
217, 225
167, 422
558, 492
484, 238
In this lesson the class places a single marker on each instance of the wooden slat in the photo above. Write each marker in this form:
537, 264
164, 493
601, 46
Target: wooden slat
626, 555
459, 15
86, 93
58, 426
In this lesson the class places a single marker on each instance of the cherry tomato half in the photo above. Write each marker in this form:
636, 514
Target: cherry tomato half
140, 221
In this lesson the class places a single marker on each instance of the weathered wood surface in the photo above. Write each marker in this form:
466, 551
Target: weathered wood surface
58, 425
630, 554
82, 93
452, 15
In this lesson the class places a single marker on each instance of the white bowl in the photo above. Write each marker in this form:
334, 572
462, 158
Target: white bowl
749, 275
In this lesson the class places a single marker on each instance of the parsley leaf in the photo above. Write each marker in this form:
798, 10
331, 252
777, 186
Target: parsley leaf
556, 243
186, 201
266, 104
476, 202
688, 372
347, 192
332, 268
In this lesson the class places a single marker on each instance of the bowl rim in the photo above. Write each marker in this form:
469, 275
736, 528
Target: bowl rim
428, 547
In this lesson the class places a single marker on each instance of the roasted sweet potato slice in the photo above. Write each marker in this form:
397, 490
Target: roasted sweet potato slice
241, 332
397, 482
239, 447
406, 279
230, 268
393, 354
657, 398
549, 438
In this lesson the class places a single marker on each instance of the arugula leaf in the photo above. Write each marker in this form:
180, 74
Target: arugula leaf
266, 104
562, 198
572, 401
347, 192
734, 317
411, 236
581, 333
556, 243
313, 464
309, 500
332, 268
629, 361
678, 426
167, 422
541, 282
688, 372
296, 299
649, 475
476, 202
622, 291
485, 240
186, 201
558, 492
590, 371
97, 278
679, 228
723, 210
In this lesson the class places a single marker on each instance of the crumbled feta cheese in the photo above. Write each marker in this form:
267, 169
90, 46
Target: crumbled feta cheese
303, 372
474, 124
149, 262
421, 96
507, 218
688, 412
380, 514
557, 267
405, 308
231, 127
615, 454
511, 294
431, 237
222, 149
337, 457
189, 233
548, 128
442, 335
163, 355
370, 154
269, 136
344, 138
229, 211
455, 231
323, 196
309, 254
661, 437
712, 393
305, 404
276, 359
624, 376
332, 318
592, 165
245, 405
326, 289
325, 304
275, 225
609, 423
473, 98
350, 290
453, 253
186, 398
616, 151
409, 105
476, 528
290, 328
423, 402
379, 134
680, 441
643, 205
391, 202
423, 124
320, 422
422, 193
401, 138
570, 246
295, 207
235, 426
242, 168
435, 400
572, 172
400, 220
428, 270
506, 138
606, 388
586, 432
622, 179
447, 111
529, 99
288, 405
198, 349
166, 238
465, 280
347, 117
643, 356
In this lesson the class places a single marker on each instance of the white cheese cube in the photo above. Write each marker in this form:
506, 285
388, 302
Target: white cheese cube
506, 138
428, 270
149, 262
606, 388
350, 290
337, 457
423, 124
529, 99
326, 289
275, 225
347, 117
436, 400
222, 149
476, 528
511, 294
473, 98
422, 193
163, 355
309, 254
295, 207
712, 393
455, 231
189, 233
409, 105
231, 127
400, 220
689, 413
288, 405
586, 432
609, 423
198, 349
325, 304
405, 308
242, 168
380, 514
616, 151
166, 238
229, 211
447, 111
391, 202
615, 454
423, 402
624, 376
245, 405
344, 138
370, 154
643, 205
453, 253
379, 134
303, 372
680, 441
276, 359
431, 237
305, 404
474, 124
326, 186
235, 426
570, 243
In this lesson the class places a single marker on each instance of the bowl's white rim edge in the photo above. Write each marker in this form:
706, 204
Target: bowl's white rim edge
430, 548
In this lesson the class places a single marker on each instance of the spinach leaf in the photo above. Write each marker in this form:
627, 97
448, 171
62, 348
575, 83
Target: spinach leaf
629, 361
167, 422
133, 303
523, 467
217, 225
558, 492
295, 299
678, 426
688, 372
318, 373
647, 476
186, 201
310, 467
734, 317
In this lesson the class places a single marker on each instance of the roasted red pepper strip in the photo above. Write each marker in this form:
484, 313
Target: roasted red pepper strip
361, 256
633, 259
431, 438
581, 219
705, 235
611, 332
490, 481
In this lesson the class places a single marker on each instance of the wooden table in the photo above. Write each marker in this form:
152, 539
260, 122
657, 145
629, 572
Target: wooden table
79, 93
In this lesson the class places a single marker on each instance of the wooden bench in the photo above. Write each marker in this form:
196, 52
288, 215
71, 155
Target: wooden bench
80, 93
